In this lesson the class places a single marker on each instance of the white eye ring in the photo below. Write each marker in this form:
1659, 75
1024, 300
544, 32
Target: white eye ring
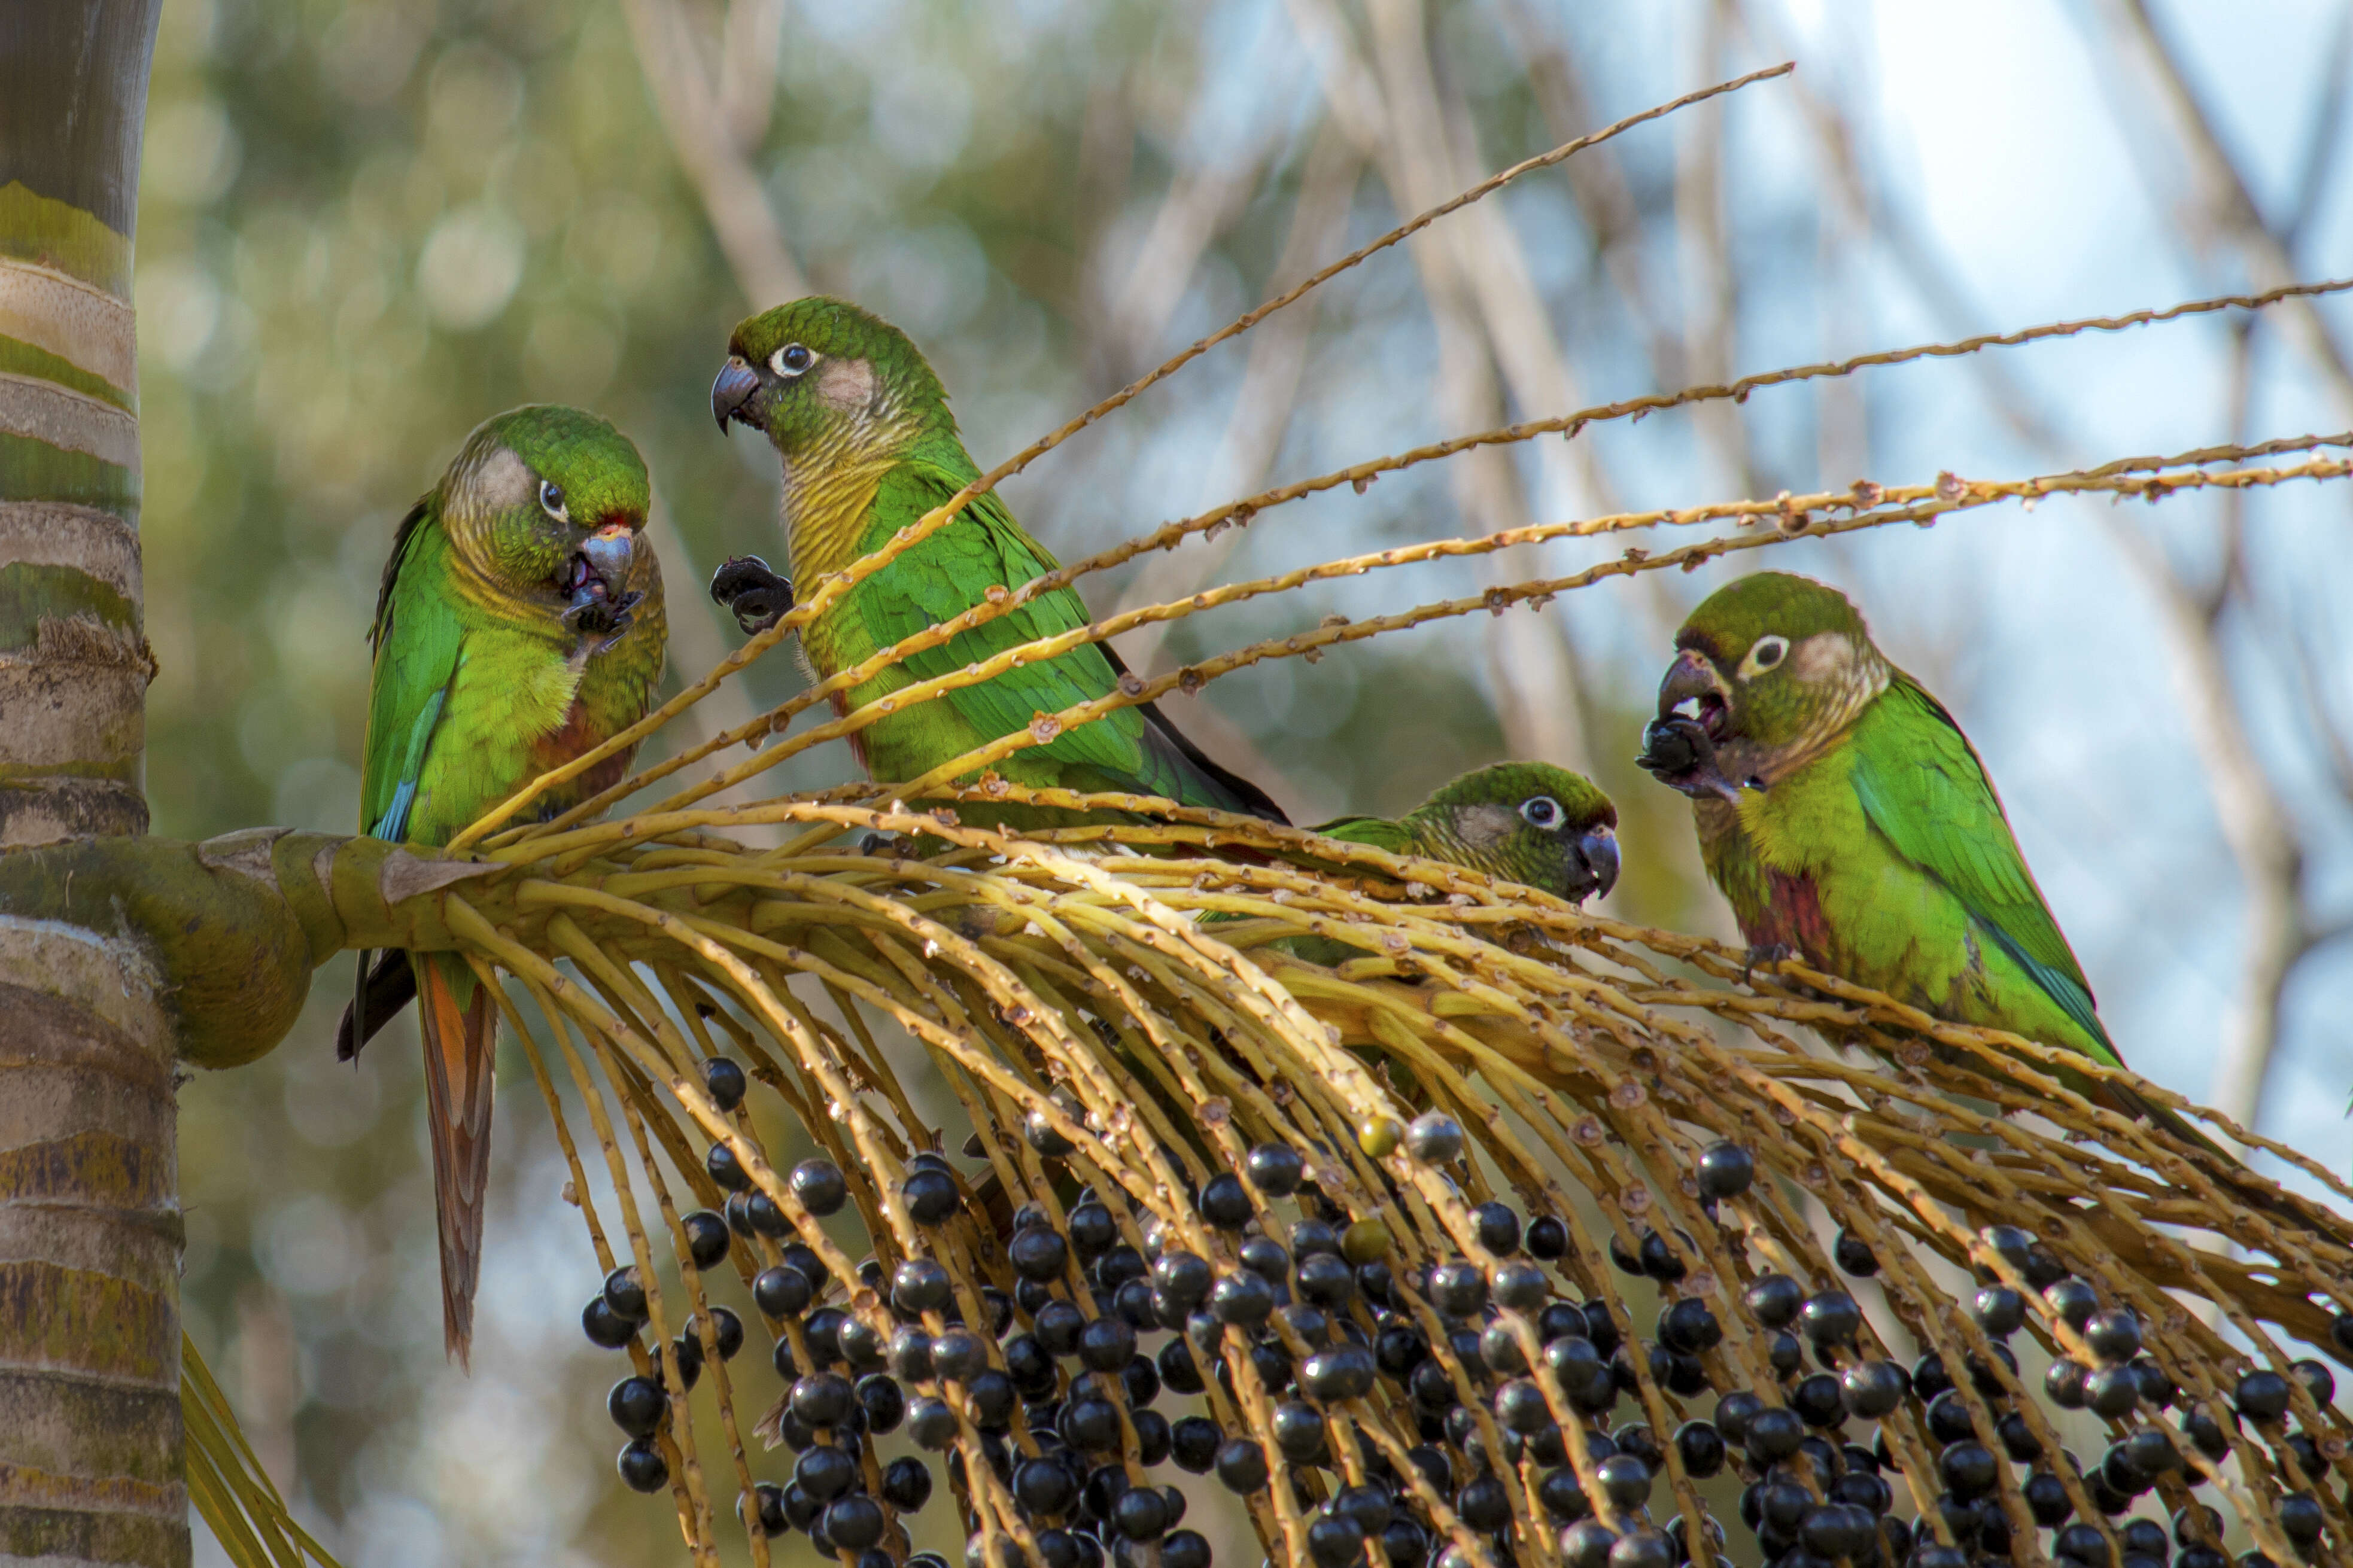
1542, 812
1766, 654
792, 360
551, 502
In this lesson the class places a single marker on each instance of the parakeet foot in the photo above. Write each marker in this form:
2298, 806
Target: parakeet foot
1764, 954
757, 597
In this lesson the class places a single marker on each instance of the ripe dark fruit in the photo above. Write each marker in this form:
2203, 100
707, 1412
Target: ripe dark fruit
820, 1186
2072, 1299
1275, 1169
707, 1238
2063, 1383
642, 1468
1039, 1131
931, 1423
1241, 1297
625, 1296
1141, 1513
1484, 1504
930, 1194
1334, 1542
605, 1329
1433, 1137
1873, 1388
1688, 1328
2000, 1311
1107, 1344
1725, 1169
1343, 1372
1774, 1300
723, 1081
2112, 1390
2114, 1336
1225, 1202
727, 1330
854, 1523
1298, 1432
822, 1398
907, 1484
2262, 1395
1093, 1232
1830, 1319
1547, 1239
1854, 1255
727, 1170
636, 1404
1588, 1544
1458, 1289
1240, 1465
1499, 1228
1039, 1254
781, 1290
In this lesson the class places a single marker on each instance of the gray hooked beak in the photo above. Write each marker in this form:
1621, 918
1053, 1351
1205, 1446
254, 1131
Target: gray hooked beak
1599, 849
1689, 678
732, 391
608, 553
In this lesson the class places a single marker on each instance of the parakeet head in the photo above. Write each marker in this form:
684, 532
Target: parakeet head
546, 504
1771, 665
1537, 825
822, 375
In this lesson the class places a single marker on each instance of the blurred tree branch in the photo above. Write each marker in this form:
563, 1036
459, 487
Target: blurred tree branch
713, 126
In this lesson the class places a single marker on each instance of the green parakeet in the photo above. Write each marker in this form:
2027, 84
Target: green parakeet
1530, 823
518, 625
1849, 822
869, 447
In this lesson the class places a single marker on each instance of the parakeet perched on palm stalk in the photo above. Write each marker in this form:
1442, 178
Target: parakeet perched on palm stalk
1849, 822
518, 625
1531, 823
869, 447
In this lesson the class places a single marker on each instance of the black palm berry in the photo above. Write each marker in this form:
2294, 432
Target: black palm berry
2072, 1300
1298, 1431
1225, 1202
1520, 1407
907, 1484
931, 1422
1038, 1254
1241, 1297
825, 1472
1241, 1465
1107, 1344
1093, 1232
1045, 1486
1275, 1169
2206, 1434
1547, 1239
1588, 1544
1854, 1255
1265, 1257
2018, 1439
767, 1218
1498, 1227
1141, 1513
605, 1329
1136, 1304
930, 1194
2112, 1390
1185, 1549
2000, 1311
2063, 1383
2047, 1500
1933, 1555
1458, 1289
2318, 1380
853, 1522
1735, 1412
1819, 1400
921, 1284
1725, 1169
625, 1296
993, 1399
727, 1170
1343, 1372
2082, 1544
1118, 1267
707, 1238
726, 1329
636, 1404
820, 1186
1484, 1504
860, 1343
958, 1354
1830, 1319
723, 1081
1785, 1355
1838, 1531
1970, 1469
2262, 1395
1873, 1388
910, 1354
1949, 1420
822, 1398
2114, 1336
1039, 1129
1774, 1433
1499, 1349
1774, 1301
643, 1466
781, 1290
1334, 1540
1324, 1278
1864, 1492
1433, 1137
1689, 1328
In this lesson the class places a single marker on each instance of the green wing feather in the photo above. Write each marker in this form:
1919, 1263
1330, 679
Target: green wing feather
1379, 832
1924, 789
939, 579
418, 640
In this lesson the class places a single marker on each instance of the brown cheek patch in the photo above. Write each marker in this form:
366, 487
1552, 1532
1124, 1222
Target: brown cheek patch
504, 481
1821, 656
846, 383
1485, 825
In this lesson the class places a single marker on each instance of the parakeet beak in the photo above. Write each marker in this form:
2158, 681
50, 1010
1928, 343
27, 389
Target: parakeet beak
1599, 849
731, 396
607, 555
1693, 691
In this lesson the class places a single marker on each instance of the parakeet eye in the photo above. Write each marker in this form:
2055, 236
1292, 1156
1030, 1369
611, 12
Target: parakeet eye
791, 361
1767, 652
550, 500
1542, 812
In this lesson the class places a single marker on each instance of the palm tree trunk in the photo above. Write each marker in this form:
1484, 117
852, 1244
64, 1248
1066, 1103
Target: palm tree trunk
90, 1461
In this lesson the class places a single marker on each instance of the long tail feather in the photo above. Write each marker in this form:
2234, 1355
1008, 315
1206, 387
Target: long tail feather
386, 984
458, 1060
2279, 1204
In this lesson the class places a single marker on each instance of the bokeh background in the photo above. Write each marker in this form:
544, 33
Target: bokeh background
367, 225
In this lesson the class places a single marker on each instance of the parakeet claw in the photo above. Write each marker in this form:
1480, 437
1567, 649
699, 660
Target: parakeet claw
1678, 752
1764, 953
756, 596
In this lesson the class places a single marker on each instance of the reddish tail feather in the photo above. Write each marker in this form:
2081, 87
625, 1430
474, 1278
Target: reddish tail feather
459, 1060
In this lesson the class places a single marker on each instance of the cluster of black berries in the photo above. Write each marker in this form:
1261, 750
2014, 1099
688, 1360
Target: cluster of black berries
1061, 1376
